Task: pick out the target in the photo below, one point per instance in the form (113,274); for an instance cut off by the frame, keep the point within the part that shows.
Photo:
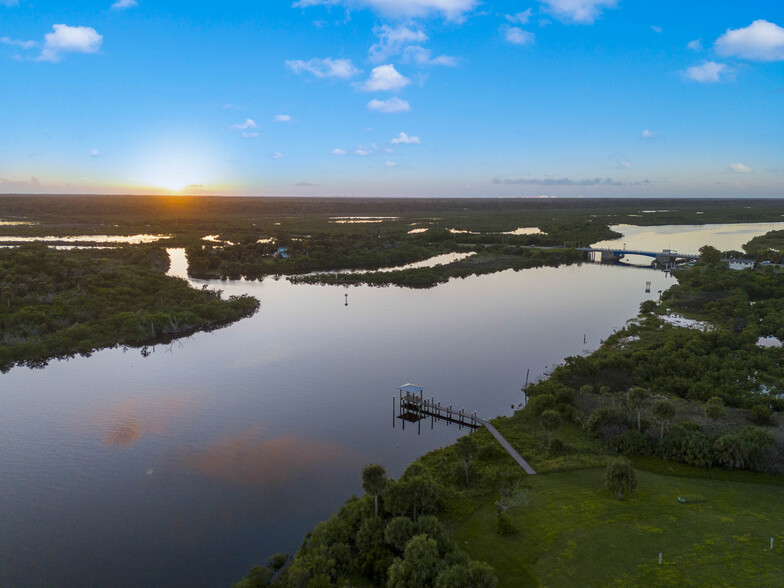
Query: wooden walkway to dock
(414,408)
(509,449)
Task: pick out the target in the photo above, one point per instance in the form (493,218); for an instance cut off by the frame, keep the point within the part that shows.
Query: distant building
(741,264)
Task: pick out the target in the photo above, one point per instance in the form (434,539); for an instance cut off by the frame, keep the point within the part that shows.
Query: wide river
(189,465)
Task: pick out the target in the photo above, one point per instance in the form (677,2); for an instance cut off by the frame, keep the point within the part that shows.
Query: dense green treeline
(767,247)
(58,303)
(486,261)
(287,255)
(390,536)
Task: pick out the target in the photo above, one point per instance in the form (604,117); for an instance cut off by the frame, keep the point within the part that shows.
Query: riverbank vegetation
(698,411)
(59,303)
(485,261)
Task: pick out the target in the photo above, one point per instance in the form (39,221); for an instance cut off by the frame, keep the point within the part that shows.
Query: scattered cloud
(695,45)
(248,124)
(338,152)
(656,29)
(124,4)
(760,41)
(648,134)
(577,11)
(569,182)
(231,107)
(284,118)
(324,68)
(390,164)
(362,151)
(393,40)
(423,56)
(517,36)
(740,168)
(277,155)
(390,106)
(21,44)
(250,135)
(625,164)
(384,78)
(403,139)
(95,153)
(448,9)
(305,185)
(520,18)
(67,39)
(709,72)
(405,42)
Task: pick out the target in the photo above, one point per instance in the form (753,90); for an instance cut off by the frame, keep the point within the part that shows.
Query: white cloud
(449,9)
(695,45)
(20,44)
(95,153)
(362,151)
(248,124)
(391,164)
(124,4)
(422,56)
(656,29)
(277,155)
(740,168)
(760,41)
(405,42)
(67,39)
(384,78)
(709,72)
(231,107)
(250,135)
(391,106)
(577,11)
(338,152)
(520,17)
(393,40)
(626,164)
(518,36)
(324,68)
(403,139)
(282,118)
(648,134)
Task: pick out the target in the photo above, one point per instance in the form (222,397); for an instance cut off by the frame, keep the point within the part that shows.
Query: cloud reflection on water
(274,464)
(126,422)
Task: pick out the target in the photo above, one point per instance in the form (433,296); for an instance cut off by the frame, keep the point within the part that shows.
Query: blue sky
(393,97)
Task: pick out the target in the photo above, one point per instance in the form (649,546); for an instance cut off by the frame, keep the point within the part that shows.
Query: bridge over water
(665,257)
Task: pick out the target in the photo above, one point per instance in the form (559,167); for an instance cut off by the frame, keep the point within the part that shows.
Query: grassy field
(572,532)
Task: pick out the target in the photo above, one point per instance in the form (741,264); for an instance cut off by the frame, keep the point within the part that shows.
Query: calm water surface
(192,464)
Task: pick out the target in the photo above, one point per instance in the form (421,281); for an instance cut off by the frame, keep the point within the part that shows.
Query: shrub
(620,477)
(559,448)
(760,414)
(504,525)
(540,403)
(607,422)
(630,442)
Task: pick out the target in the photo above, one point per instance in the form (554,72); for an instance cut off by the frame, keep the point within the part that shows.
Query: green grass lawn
(572,532)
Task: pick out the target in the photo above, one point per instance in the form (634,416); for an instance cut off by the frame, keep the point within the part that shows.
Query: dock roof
(411,388)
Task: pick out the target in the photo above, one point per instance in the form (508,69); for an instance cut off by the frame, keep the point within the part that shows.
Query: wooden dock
(412,407)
